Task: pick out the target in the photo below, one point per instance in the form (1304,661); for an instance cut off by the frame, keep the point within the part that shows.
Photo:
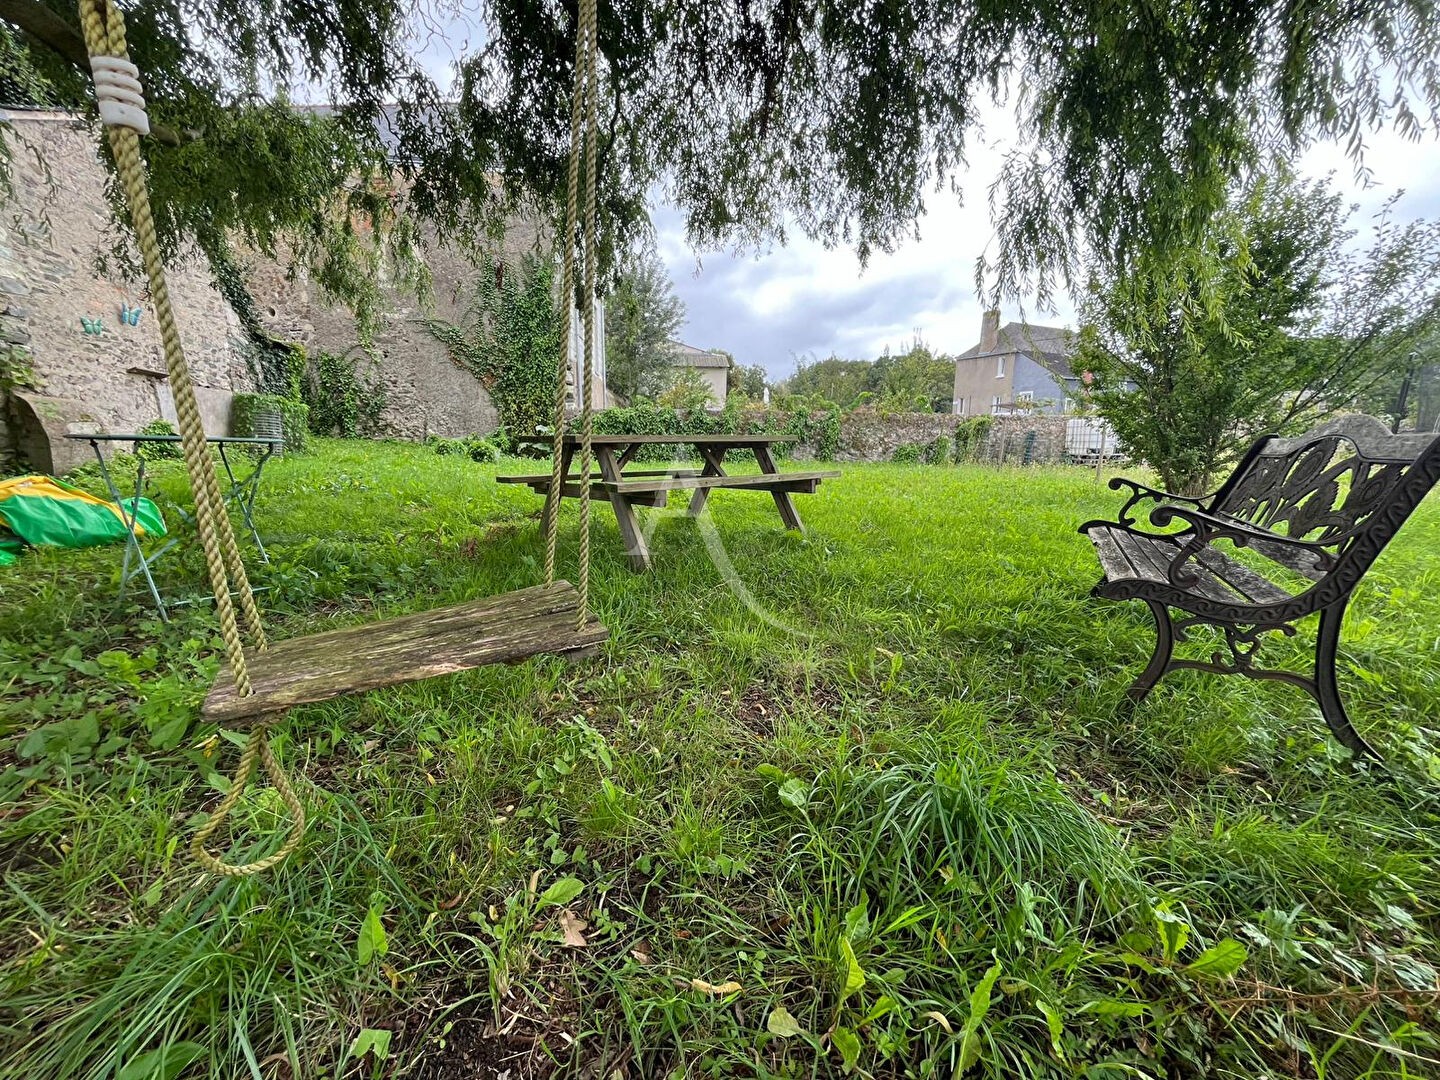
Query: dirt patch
(760,705)
(523,1042)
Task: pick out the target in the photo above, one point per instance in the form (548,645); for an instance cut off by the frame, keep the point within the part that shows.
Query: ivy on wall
(510,340)
(341,403)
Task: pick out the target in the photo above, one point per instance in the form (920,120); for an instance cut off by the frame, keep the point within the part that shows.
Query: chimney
(990,331)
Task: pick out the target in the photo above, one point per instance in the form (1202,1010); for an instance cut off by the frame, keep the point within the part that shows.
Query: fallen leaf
(710,988)
(684,935)
(781,1023)
(941,1019)
(534,883)
(570,927)
(494,914)
(453,902)
(641,952)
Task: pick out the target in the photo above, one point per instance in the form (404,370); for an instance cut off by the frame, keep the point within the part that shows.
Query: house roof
(1049,346)
(683,355)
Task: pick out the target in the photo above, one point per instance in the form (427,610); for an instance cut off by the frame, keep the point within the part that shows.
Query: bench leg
(1160,659)
(713,467)
(783,503)
(1327,688)
(635,547)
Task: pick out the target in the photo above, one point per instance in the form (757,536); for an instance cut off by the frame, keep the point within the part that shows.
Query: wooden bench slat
(494,629)
(544,478)
(1244,579)
(763,481)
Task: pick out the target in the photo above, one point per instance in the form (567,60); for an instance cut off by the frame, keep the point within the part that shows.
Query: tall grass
(877,811)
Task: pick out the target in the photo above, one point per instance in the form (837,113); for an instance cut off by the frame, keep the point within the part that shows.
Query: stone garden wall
(868,435)
(59,374)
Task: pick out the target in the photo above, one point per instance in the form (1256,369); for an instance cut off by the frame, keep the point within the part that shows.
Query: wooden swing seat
(504,629)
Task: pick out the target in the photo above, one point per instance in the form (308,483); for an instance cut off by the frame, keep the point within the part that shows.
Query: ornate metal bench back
(1347,480)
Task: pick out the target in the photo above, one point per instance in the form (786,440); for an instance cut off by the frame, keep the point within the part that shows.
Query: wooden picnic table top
(694,440)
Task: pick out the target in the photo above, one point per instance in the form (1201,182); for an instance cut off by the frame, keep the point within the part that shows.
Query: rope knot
(118,91)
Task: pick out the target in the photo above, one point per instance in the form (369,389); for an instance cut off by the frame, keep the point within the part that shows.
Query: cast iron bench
(1317,509)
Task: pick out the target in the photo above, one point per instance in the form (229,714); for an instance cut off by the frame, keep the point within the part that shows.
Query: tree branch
(47,28)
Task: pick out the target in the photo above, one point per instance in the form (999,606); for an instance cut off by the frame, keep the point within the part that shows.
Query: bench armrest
(1139,493)
(1205,527)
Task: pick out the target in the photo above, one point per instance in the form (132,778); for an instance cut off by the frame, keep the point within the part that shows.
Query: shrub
(483,451)
(907,454)
(937,451)
(159,451)
(294,418)
(971,436)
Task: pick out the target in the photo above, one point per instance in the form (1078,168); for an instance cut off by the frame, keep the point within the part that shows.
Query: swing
(258,685)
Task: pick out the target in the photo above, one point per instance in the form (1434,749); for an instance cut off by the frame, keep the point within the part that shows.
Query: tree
(687,391)
(1265,335)
(642,313)
(1130,127)
(916,380)
(834,380)
(746,380)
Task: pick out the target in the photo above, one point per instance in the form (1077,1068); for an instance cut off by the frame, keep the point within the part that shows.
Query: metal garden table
(241,495)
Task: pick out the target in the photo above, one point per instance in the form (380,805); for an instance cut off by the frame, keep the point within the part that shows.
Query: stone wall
(425,391)
(54,236)
(868,435)
(1025,440)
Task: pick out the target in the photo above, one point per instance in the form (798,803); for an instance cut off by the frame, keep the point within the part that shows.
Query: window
(999,367)
(1025,397)
(995,404)
(960,406)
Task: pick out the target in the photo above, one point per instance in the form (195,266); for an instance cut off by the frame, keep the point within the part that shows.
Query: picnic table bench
(1316,509)
(651,487)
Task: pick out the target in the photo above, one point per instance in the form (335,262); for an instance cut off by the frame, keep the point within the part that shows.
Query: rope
(584,138)
(592,123)
(567,297)
(122,108)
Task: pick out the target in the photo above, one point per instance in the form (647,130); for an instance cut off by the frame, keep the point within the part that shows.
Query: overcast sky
(802,300)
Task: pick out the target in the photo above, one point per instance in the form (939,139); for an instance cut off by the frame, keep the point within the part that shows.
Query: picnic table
(626,490)
(241,494)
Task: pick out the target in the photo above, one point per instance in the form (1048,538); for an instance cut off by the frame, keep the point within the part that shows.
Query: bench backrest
(1348,484)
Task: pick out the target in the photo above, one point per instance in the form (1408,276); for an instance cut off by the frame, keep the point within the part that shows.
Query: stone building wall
(54,233)
(425,391)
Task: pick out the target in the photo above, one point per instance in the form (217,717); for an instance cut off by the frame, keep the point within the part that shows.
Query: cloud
(804,299)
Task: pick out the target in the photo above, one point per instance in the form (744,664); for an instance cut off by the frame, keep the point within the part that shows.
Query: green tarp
(40,511)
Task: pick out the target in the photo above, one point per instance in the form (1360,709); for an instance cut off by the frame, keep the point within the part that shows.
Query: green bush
(907,454)
(159,451)
(294,418)
(937,451)
(483,451)
(971,436)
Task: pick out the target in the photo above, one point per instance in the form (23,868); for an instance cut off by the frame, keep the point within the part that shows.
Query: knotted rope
(122,109)
(584,133)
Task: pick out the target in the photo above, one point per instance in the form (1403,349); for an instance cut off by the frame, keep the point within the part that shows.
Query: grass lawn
(860,802)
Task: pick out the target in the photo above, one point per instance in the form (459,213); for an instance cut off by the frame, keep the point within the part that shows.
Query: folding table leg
(242,493)
(133,551)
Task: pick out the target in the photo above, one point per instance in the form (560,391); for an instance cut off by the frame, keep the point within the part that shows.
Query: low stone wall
(868,435)
(1024,440)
